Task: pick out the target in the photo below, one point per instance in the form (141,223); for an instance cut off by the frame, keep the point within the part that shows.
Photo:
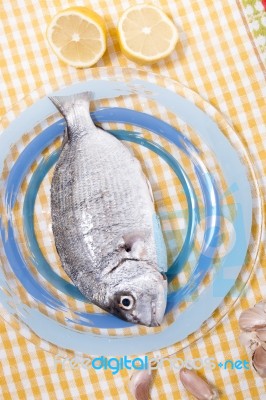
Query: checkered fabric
(217,58)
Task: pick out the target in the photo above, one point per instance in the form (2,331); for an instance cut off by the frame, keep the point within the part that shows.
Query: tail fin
(75,110)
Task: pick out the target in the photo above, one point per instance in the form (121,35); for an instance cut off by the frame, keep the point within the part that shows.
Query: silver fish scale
(100,200)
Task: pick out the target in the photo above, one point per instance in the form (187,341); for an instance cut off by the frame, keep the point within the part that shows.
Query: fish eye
(126,302)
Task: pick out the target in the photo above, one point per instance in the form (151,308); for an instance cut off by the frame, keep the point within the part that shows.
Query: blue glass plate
(199,158)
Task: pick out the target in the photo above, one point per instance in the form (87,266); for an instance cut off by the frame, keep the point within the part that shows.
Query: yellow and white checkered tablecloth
(217,58)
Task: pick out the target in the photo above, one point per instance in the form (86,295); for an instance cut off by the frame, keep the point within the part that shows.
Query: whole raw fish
(104,221)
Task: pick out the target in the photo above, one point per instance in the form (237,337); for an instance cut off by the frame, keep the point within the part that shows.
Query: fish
(104,221)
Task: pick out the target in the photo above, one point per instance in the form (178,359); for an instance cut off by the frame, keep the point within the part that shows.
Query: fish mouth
(154,322)
(158,307)
(157,314)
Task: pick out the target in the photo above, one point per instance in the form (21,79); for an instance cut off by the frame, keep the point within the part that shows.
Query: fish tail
(75,110)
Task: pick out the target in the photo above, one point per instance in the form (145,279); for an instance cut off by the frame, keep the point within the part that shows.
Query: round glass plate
(206,198)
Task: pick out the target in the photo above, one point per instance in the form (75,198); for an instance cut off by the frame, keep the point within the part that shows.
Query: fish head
(138,293)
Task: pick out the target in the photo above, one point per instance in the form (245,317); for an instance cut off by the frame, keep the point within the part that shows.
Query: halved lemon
(77,35)
(146,34)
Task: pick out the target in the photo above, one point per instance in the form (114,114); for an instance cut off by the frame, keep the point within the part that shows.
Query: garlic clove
(197,386)
(261,334)
(263,344)
(139,384)
(250,341)
(252,319)
(259,361)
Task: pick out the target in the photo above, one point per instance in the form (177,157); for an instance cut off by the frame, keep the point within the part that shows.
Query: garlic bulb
(250,340)
(252,319)
(197,386)
(259,361)
(140,383)
(253,322)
